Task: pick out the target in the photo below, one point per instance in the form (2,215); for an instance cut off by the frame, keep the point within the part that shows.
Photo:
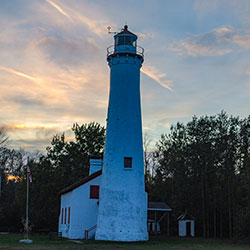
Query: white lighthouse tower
(122,214)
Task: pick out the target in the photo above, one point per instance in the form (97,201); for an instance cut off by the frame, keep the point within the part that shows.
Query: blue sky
(53,69)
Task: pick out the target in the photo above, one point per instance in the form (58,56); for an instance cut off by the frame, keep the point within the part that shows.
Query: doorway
(188,228)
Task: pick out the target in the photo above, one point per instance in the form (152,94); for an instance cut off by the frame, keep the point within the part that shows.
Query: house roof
(81,182)
(186,216)
(158,206)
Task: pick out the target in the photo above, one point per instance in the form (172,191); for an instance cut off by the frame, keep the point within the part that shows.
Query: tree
(11,164)
(3,140)
(3,137)
(70,159)
(148,158)
(200,164)
(66,162)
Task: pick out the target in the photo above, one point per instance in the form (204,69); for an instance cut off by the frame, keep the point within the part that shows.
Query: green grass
(11,242)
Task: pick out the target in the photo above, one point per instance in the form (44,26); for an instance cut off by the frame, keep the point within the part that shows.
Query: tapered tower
(122,214)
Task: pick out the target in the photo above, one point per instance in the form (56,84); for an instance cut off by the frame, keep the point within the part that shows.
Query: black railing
(111,51)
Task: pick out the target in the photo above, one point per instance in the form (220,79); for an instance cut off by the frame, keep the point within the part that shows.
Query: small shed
(186,225)
(156,212)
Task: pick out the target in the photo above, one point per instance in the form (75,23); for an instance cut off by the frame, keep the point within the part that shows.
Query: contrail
(93,25)
(59,9)
(155,76)
(9,70)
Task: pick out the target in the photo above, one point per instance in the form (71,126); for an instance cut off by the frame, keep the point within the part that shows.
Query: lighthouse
(122,214)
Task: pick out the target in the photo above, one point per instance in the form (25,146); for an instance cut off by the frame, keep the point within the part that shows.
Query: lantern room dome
(125,31)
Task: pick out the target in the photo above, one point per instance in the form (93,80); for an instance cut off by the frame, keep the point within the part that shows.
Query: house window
(94,192)
(62,217)
(127,162)
(69,216)
(65,218)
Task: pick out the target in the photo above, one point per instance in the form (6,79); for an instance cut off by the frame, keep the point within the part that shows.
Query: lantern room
(125,38)
(125,44)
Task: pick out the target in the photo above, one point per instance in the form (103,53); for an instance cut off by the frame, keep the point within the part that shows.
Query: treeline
(65,162)
(202,167)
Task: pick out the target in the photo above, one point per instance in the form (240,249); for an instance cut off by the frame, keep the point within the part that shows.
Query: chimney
(95,165)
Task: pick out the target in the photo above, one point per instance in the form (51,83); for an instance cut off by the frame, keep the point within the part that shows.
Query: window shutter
(69,216)
(94,192)
(65,218)
(62,217)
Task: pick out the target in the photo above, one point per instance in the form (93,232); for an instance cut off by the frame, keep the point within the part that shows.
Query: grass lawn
(11,242)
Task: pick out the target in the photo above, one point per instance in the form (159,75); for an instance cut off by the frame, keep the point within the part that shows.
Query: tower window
(94,192)
(127,162)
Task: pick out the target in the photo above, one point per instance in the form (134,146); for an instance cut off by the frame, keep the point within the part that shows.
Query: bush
(242,223)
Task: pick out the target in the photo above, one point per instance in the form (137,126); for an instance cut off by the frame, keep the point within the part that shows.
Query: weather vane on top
(109,30)
(112,32)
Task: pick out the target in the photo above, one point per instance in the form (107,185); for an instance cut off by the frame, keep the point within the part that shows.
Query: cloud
(12,71)
(68,52)
(27,101)
(164,122)
(217,42)
(145,36)
(212,43)
(242,40)
(153,73)
(59,9)
(95,25)
(31,136)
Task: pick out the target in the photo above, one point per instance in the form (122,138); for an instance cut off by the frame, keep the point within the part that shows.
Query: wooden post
(168,223)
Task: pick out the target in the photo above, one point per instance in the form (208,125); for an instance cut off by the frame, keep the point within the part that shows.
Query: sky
(54,73)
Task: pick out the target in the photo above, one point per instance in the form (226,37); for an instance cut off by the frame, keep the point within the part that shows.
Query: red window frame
(69,215)
(62,217)
(65,219)
(94,192)
(127,162)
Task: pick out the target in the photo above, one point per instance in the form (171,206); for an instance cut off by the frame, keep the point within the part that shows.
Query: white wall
(182,227)
(83,211)
(66,202)
(123,204)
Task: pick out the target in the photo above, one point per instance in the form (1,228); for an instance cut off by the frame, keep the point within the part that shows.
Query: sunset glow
(54,73)
(13,178)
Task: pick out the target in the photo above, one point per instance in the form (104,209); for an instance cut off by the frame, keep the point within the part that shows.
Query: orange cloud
(29,126)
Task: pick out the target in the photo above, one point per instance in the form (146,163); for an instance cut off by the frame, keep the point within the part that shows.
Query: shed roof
(81,182)
(186,216)
(158,206)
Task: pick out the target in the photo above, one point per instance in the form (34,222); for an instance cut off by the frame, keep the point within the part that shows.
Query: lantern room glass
(125,40)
